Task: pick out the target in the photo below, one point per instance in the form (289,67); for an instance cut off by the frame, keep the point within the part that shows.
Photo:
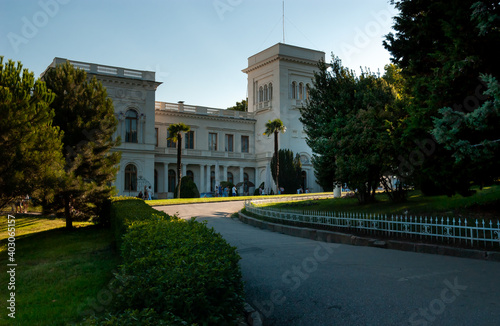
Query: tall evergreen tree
(290,170)
(175,134)
(30,155)
(85,114)
(348,124)
(442,48)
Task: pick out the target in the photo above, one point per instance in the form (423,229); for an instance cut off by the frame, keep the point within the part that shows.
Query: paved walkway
(295,281)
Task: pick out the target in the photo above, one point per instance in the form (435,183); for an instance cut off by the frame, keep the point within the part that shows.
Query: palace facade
(223,145)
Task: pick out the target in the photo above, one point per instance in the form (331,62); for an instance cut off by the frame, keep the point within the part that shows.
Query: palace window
(229,143)
(190,174)
(212,141)
(307,91)
(261,94)
(266,96)
(230,177)
(189,139)
(270,91)
(156,137)
(131,126)
(130,178)
(170,143)
(301,91)
(245,141)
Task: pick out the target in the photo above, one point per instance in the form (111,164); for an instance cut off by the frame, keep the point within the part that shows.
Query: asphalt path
(295,281)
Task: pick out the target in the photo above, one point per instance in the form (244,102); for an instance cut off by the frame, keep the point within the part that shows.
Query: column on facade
(183,169)
(207,185)
(165,177)
(202,178)
(217,170)
(242,188)
(224,173)
(268,178)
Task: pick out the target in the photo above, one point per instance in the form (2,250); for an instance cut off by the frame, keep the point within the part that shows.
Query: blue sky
(197,47)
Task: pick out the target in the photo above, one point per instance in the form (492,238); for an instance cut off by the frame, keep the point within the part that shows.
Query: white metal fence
(470,232)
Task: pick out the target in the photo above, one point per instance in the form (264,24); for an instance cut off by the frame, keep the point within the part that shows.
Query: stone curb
(344,238)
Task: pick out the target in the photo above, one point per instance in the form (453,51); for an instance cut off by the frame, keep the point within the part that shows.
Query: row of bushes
(174,272)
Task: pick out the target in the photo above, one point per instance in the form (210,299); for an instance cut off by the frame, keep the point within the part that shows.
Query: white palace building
(223,145)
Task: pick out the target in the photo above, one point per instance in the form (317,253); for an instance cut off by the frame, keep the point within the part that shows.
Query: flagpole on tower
(283,21)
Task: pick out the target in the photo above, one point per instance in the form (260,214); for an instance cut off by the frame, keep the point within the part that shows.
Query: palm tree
(175,134)
(275,127)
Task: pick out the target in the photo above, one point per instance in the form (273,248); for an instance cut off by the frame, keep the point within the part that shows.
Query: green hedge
(171,268)
(125,211)
(188,188)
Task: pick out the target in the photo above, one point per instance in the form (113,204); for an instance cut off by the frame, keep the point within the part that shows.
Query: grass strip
(58,271)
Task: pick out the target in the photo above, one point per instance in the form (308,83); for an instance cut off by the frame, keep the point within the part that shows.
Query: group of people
(22,204)
(301,190)
(147,194)
(224,191)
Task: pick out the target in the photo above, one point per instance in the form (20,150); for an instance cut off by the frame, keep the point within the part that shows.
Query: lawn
(58,272)
(176,201)
(484,203)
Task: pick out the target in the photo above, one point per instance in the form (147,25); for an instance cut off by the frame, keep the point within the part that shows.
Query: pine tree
(85,114)
(30,157)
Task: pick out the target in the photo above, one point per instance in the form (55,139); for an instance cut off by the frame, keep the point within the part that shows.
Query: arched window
(230,177)
(265,93)
(212,181)
(131,127)
(130,178)
(293,91)
(190,174)
(270,91)
(245,177)
(307,91)
(304,180)
(301,91)
(171,181)
(261,94)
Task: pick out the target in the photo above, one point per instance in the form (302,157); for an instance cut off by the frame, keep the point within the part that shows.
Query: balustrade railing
(447,230)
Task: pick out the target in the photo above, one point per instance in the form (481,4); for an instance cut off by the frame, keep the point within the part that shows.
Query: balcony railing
(201,110)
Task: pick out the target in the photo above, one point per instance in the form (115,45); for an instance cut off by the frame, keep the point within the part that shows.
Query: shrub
(126,210)
(173,271)
(183,268)
(188,188)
